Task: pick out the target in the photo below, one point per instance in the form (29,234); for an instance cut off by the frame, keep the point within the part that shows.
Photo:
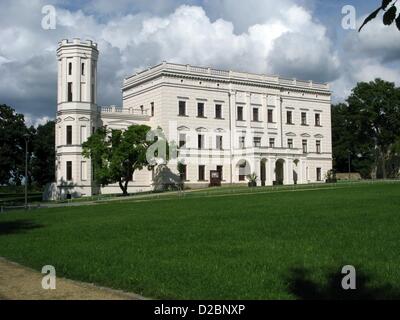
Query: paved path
(21,283)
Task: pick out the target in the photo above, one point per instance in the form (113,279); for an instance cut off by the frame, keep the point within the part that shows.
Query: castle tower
(76,115)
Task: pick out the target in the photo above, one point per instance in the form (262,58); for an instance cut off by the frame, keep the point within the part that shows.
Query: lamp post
(349,161)
(26,137)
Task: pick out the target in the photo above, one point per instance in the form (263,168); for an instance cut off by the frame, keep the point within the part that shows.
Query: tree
(117,154)
(43,160)
(367,126)
(389,16)
(12,145)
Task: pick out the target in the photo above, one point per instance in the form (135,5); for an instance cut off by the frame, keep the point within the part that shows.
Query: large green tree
(117,154)
(367,126)
(12,145)
(43,160)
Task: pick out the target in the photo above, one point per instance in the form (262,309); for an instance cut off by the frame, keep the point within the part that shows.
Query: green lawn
(231,245)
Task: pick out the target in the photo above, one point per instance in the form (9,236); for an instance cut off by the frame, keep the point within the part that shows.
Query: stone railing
(228,75)
(132,111)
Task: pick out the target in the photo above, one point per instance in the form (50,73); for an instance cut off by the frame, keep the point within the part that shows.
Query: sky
(301,39)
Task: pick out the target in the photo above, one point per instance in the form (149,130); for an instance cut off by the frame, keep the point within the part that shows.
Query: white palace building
(234,122)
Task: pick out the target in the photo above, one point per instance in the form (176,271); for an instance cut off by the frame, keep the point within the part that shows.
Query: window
(218,111)
(220,170)
(83,170)
(69,135)
(69,170)
(183,172)
(200,110)
(304,143)
(219,143)
(240,113)
(319,174)
(242,172)
(255,115)
(202,170)
(141,109)
(257,142)
(304,118)
(289,117)
(242,142)
(270,116)
(290,143)
(317,120)
(182,140)
(318,146)
(93,130)
(200,141)
(70,68)
(83,69)
(182,108)
(69,91)
(152,109)
(272,142)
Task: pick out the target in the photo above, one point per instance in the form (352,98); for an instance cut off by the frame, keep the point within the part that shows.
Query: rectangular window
(317,120)
(69,91)
(290,143)
(242,142)
(200,141)
(319,175)
(83,170)
(257,142)
(183,172)
(152,109)
(92,94)
(272,142)
(304,143)
(202,170)
(69,170)
(219,143)
(70,68)
(69,135)
(240,113)
(270,116)
(289,117)
(83,69)
(182,108)
(200,110)
(182,140)
(304,118)
(255,115)
(242,172)
(83,134)
(218,111)
(220,170)
(93,130)
(318,146)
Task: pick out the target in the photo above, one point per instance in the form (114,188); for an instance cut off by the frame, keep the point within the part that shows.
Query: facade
(234,122)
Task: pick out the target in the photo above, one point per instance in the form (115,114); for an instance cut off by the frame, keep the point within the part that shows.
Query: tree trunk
(124,187)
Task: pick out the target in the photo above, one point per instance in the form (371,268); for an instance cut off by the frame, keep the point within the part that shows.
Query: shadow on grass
(18,226)
(304,288)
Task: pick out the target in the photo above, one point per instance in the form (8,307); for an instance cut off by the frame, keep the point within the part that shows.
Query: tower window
(69,91)
(152,109)
(70,68)
(83,69)
(69,170)
(69,135)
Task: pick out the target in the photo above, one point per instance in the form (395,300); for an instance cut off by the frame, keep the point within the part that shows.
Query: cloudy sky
(302,39)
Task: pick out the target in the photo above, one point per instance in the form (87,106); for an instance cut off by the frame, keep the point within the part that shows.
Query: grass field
(222,244)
